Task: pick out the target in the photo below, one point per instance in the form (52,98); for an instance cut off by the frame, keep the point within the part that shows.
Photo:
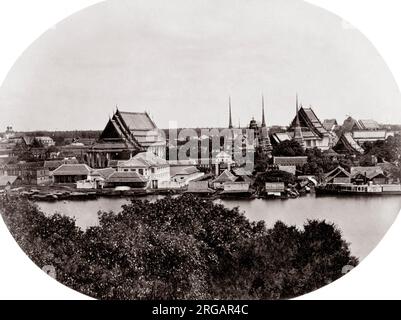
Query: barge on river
(358,189)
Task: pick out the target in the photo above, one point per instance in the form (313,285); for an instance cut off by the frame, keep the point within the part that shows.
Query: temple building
(125,135)
(307,124)
(307,130)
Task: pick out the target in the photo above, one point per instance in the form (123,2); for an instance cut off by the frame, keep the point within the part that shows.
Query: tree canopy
(180,248)
(288,148)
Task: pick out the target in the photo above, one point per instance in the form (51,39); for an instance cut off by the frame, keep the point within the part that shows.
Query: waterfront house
(236,190)
(185,174)
(71,173)
(147,164)
(200,188)
(31,173)
(338,175)
(275,189)
(363,175)
(223,178)
(235,187)
(129,179)
(96,179)
(392,172)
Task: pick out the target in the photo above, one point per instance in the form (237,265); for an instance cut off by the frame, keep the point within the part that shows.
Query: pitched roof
(235,187)
(7,160)
(348,141)
(26,165)
(330,152)
(137,120)
(4,180)
(53,164)
(180,170)
(226,176)
(329,124)
(314,120)
(134,129)
(128,177)
(104,173)
(370,134)
(369,124)
(28,140)
(309,120)
(349,124)
(72,170)
(43,138)
(199,187)
(335,172)
(370,172)
(387,166)
(144,160)
(242,172)
(290,160)
(281,136)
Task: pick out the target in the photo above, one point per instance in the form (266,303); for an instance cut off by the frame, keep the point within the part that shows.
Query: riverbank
(70,193)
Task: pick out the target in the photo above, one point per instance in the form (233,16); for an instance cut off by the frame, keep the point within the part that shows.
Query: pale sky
(180,60)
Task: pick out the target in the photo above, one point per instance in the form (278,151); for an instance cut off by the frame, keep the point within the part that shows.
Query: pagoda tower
(264,138)
(298,137)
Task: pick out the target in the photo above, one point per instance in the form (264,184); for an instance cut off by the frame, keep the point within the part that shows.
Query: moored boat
(358,189)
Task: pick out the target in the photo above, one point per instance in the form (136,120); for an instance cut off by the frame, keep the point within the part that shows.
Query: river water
(363,220)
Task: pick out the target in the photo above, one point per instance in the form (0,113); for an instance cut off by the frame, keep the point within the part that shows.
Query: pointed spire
(263,112)
(298,136)
(230,121)
(298,124)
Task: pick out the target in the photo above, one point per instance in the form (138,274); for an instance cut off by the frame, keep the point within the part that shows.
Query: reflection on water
(363,220)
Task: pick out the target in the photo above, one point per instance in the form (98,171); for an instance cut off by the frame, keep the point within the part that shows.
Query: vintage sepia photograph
(199,150)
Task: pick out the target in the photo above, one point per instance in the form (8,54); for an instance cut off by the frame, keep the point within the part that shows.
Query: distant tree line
(180,248)
(60,137)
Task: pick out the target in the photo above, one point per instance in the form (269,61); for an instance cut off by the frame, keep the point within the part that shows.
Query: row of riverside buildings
(132,151)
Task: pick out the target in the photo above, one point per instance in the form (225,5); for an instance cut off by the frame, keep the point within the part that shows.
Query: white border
(377,277)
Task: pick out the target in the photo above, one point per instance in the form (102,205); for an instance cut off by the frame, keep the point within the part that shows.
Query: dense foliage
(318,163)
(180,248)
(288,148)
(388,150)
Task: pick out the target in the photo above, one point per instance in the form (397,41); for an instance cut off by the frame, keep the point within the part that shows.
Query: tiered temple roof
(346,143)
(310,124)
(129,130)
